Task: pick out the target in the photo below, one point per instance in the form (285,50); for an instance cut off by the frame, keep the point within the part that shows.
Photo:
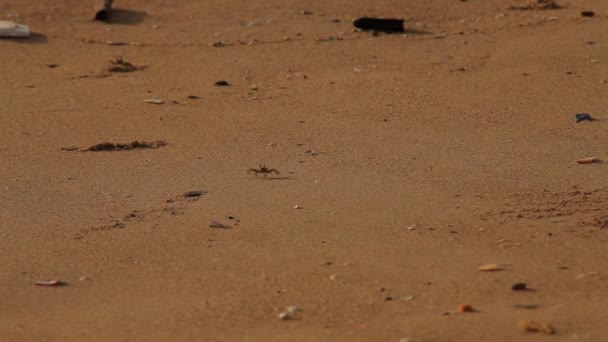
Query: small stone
(465,308)
(587,13)
(297,207)
(222,83)
(217,225)
(578,117)
(253,87)
(196,193)
(519,287)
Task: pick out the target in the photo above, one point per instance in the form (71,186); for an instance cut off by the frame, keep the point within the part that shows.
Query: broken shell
(155,101)
(53,282)
(13,30)
(589,160)
(531,326)
(489,268)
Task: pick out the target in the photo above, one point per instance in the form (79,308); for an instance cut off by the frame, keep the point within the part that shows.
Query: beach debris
(102,9)
(587,13)
(9,29)
(578,117)
(53,282)
(216,225)
(526,306)
(108,146)
(121,66)
(519,287)
(291,312)
(490,268)
(538,5)
(465,308)
(532,326)
(195,193)
(590,160)
(379,25)
(193,97)
(155,101)
(263,169)
(222,83)
(297,207)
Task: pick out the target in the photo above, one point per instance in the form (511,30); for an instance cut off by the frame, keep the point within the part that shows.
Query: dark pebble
(519,287)
(222,83)
(587,13)
(194,193)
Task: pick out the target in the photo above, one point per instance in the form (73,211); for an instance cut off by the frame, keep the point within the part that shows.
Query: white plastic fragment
(13,30)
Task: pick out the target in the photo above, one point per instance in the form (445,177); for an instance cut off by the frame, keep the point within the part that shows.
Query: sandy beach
(404,162)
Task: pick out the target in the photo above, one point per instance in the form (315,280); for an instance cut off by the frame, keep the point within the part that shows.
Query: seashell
(13,30)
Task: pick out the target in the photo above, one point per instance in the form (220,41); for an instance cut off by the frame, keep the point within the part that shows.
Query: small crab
(263,169)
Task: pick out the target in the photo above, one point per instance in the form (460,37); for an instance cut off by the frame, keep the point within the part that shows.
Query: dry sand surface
(413,159)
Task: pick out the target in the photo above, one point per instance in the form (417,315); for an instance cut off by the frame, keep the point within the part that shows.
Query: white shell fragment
(290,313)
(13,30)
(155,101)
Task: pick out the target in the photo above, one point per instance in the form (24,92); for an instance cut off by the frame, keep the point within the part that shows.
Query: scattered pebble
(155,101)
(253,87)
(297,207)
(490,268)
(519,287)
(222,83)
(196,193)
(587,13)
(193,97)
(531,326)
(217,225)
(578,117)
(465,308)
(526,306)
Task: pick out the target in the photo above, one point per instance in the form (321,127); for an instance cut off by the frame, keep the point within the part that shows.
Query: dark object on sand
(587,13)
(222,83)
(102,9)
(120,65)
(578,117)
(107,146)
(538,5)
(519,287)
(194,193)
(216,225)
(379,25)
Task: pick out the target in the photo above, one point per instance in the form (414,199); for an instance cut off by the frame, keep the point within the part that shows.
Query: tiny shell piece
(53,282)
(531,326)
(155,101)
(489,268)
(587,160)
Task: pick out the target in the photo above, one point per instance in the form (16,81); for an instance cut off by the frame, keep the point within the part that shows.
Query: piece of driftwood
(102,9)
